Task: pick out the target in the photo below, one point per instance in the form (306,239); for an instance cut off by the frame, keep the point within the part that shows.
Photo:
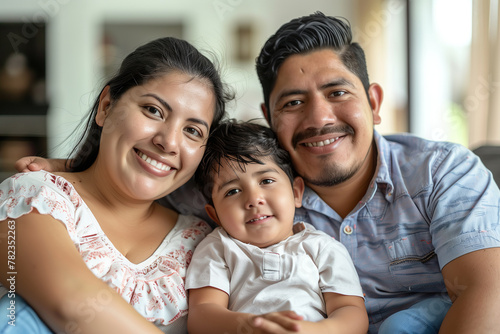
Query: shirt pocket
(413,263)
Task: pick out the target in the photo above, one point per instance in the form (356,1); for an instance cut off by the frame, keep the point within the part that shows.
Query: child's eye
(232,192)
(267,181)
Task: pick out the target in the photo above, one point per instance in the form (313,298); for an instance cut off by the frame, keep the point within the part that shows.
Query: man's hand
(33,164)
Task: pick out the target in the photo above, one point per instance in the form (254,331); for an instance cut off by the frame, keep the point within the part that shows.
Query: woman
(144,139)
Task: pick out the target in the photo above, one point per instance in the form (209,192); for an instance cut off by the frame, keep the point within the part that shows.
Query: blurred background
(437,60)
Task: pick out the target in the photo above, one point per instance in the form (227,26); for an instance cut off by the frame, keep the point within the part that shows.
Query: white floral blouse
(154,287)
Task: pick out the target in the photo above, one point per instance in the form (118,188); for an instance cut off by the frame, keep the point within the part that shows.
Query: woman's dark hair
(147,62)
(242,143)
(306,34)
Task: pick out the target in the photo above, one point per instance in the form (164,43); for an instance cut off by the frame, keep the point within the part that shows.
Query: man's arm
(33,164)
(473,283)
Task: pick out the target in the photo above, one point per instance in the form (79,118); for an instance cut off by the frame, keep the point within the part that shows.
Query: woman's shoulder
(44,191)
(33,182)
(192,227)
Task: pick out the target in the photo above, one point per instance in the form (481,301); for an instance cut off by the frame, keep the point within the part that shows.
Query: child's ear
(212,213)
(104,105)
(298,191)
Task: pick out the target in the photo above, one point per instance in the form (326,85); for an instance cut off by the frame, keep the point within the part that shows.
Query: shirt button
(347,229)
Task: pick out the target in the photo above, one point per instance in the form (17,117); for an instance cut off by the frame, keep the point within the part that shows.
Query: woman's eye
(194,132)
(154,111)
(232,192)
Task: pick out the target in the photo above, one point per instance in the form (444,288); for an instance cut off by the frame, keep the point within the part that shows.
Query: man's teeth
(256,219)
(153,162)
(321,143)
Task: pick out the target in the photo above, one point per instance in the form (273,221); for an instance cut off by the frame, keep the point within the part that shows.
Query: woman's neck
(98,192)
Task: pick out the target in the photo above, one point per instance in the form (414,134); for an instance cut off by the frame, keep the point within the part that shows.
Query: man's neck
(344,197)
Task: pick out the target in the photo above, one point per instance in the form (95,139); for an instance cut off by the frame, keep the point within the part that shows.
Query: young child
(258,272)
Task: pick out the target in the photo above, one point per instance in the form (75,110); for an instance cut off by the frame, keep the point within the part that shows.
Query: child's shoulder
(308,231)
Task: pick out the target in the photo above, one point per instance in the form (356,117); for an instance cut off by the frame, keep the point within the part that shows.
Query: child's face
(256,206)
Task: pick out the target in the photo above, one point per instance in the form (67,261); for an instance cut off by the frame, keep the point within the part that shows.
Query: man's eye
(338,93)
(293,103)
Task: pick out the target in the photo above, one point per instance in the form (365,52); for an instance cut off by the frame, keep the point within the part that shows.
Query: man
(420,219)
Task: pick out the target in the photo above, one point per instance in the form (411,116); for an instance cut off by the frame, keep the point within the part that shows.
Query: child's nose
(254,199)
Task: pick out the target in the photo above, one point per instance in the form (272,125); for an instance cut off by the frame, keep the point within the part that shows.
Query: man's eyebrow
(290,92)
(169,108)
(338,82)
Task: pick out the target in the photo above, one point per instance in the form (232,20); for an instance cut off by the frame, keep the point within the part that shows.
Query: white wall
(74,34)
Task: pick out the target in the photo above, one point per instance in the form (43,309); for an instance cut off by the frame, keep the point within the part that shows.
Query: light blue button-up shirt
(429,203)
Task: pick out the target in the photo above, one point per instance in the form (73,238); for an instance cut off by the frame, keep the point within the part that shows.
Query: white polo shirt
(290,275)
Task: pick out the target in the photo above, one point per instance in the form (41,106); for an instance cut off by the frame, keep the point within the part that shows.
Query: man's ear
(212,213)
(104,105)
(298,191)
(376,95)
(265,112)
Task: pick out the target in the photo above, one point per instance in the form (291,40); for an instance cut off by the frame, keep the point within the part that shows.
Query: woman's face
(153,136)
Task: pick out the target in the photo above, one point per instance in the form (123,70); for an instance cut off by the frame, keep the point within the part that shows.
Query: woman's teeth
(153,162)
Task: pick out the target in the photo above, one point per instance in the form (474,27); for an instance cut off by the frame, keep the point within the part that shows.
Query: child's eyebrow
(257,173)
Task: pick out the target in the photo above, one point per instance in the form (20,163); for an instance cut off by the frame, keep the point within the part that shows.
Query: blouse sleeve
(47,193)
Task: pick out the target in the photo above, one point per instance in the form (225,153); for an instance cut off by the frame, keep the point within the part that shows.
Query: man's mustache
(313,132)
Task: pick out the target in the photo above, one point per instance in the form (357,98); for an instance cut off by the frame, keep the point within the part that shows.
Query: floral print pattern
(154,287)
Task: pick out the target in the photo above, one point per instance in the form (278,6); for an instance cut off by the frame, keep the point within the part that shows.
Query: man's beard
(332,175)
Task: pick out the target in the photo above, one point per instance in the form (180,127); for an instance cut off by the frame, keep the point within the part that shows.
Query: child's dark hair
(242,143)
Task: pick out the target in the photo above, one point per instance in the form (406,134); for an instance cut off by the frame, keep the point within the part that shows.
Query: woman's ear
(298,191)
(212,213)
(104,105)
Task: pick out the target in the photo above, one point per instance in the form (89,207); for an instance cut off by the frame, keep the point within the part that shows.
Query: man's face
(322,116)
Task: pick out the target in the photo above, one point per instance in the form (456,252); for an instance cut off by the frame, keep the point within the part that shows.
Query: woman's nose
(167,139)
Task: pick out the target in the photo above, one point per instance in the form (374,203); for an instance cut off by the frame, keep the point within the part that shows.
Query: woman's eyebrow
(162,101)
